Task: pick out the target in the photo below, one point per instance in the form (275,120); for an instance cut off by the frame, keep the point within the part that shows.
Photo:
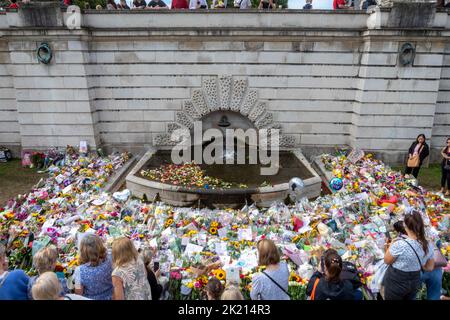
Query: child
(44,261)
(308,5)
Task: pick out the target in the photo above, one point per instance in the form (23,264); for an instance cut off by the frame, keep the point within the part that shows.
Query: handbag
(414,161)
(440,261)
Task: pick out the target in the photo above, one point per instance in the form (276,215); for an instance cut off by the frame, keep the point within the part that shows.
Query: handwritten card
(221,248)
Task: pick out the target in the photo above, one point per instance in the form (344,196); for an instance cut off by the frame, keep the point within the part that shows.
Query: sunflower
(168,222)
(41,219)
(294,277)
(220,274)
(213,230)
(214,224)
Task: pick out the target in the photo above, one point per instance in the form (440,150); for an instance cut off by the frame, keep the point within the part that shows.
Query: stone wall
(326,78)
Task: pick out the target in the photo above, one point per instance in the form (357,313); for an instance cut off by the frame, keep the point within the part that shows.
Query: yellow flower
(41,219)
(9,215)
(169,222)
(128,219)
(34,214)
(214,224)
(190,285)
(220,274)
(213,230)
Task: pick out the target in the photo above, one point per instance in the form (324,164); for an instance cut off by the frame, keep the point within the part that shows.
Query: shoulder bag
(414,161)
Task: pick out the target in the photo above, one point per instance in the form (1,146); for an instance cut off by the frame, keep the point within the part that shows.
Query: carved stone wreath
(223,93)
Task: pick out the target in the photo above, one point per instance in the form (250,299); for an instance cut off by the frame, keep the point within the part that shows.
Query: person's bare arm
(118,293)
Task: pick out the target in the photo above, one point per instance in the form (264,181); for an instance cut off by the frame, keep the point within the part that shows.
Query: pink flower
(197,284)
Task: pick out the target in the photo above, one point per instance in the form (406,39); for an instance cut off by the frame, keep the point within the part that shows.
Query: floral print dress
(134,278)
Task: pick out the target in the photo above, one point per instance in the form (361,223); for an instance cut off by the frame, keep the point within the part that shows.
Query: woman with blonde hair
(271,283)
(43,261)
(93,276)
(129,276)
(232,293)
(48,287)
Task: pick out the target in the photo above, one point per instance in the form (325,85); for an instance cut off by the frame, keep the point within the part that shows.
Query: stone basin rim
(134,177)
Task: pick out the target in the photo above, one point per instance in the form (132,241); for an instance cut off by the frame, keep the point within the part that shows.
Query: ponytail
(333,264)
(414,223)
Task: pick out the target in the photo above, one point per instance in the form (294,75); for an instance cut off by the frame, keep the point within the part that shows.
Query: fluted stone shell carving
(224,92)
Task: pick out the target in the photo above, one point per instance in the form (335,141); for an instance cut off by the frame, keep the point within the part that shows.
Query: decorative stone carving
(210,88)
(249,102)
(199,102)
(257,111)
(264,120)
(171,127)
(224,91)
(239,88)
(183,119)
(191,110)
(163,139)
(287,141)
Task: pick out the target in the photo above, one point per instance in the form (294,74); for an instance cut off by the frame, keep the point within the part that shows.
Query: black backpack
(350,272)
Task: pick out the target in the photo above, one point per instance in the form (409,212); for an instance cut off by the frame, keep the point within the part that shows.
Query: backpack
(350,272)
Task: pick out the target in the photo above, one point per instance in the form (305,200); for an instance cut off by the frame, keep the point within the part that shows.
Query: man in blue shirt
(13,284)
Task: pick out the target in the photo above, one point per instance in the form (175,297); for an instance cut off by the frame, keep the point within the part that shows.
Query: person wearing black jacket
(329,285)
(445,168)
(419,147)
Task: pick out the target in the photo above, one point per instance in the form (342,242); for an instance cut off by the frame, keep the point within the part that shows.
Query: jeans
(433,281)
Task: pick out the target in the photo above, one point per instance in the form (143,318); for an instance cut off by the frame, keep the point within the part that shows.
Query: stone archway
(223,93)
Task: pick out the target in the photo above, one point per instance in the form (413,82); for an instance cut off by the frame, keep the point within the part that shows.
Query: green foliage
(4,3)
(92,3)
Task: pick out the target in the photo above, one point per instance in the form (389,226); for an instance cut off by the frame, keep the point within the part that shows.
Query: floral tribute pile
(197,244)
(187,175)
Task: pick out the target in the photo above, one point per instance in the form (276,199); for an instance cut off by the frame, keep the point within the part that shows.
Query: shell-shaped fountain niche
(226,102)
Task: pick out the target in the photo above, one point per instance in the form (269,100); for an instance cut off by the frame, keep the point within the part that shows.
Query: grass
(429,178)
(14,180)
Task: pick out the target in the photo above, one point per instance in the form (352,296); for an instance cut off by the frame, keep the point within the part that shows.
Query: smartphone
(156,266)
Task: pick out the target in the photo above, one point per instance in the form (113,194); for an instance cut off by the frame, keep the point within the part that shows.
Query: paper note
(222,232)
(245,234)
(191,249)
(221,248)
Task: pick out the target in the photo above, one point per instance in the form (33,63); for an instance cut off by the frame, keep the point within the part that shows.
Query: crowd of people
(124,273)
(216,4)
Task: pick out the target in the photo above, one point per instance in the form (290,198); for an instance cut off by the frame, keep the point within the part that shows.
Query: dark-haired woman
(445,168)
(406,258)
(328,285)
(419,150)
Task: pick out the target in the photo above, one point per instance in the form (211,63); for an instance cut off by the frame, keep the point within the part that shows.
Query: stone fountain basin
(218,198)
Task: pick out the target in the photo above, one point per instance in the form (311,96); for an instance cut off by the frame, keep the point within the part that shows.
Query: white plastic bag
(377,279)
